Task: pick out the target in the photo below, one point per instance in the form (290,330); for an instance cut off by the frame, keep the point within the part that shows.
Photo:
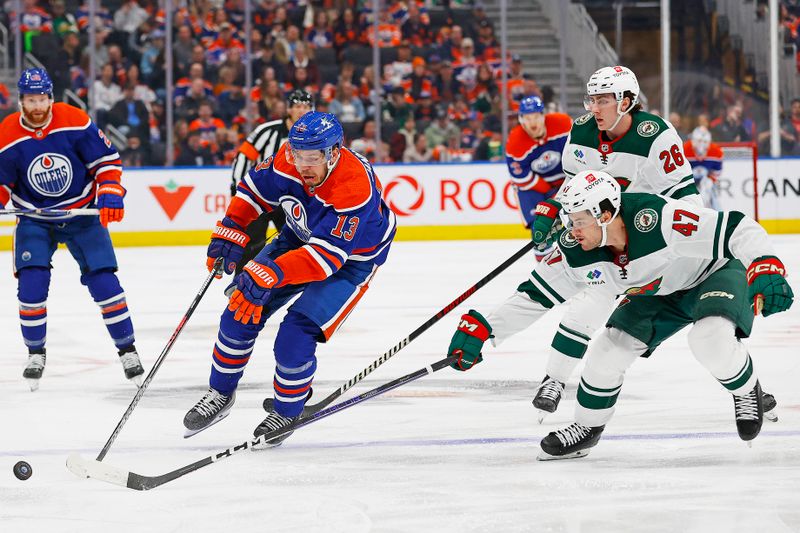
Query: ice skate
(35,368)
(569,443)
(548,397)
(269,403)
(749,411)
(769,402)
(131,365)
(211,408)
(273,422)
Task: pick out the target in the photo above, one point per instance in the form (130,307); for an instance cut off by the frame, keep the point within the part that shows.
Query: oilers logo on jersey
(546,162)
(50,174)
(296,216)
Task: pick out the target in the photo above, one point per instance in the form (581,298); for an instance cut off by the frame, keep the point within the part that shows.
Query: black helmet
(299,96)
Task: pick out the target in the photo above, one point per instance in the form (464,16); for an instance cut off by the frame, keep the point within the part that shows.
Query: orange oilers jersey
(343,219)
(531,161)
(709,166)
(58,165)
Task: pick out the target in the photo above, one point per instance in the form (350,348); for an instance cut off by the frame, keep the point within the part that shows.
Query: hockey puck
(23,470)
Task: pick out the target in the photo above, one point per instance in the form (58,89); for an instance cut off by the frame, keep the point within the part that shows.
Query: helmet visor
(305,158)
(600,100)
(578,220)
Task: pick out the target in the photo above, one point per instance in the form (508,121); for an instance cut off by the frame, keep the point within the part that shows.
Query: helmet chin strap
(604,231)
(621,113)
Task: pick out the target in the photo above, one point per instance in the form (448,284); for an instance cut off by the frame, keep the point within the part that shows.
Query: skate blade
(772,416)
(264,446)
(544,456)
(191,432)
(136,380)
(541,415)
(33,383)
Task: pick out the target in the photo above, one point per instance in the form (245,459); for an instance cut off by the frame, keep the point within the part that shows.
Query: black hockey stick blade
(91,468)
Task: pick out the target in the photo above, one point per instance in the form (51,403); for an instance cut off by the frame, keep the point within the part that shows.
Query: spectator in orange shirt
(389,33)
(206,124)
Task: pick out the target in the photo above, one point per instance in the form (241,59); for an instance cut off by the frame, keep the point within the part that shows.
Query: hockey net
(740,165)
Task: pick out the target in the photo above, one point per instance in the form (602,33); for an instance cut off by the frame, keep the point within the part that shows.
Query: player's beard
(36,119)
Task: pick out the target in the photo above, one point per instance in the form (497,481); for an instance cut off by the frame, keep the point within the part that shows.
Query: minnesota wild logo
(648,128)
(645,220)
(583,119)
(648,289)
(567,240)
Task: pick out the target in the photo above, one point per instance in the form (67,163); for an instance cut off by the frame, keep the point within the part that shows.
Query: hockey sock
(714,344)
(108,295)
(32,289)
(295,363)
(566,351)
(235,343)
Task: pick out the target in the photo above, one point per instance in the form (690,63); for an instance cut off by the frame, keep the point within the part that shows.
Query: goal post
(740,159)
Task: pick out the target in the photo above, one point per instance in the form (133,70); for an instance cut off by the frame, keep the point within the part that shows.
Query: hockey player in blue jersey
(533,156)
(53,156)
(338,232)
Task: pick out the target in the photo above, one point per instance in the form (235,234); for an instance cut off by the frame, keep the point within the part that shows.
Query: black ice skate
(211,408)
(131,365)
(273,422)
(35,368)
(548,397)
(769,402)
(749,413)
(569,443)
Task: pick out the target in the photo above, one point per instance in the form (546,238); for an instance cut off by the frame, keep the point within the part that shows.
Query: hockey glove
(253,286)
(109,201)
(227,241)
(467,342)
(546,216)
(767,284)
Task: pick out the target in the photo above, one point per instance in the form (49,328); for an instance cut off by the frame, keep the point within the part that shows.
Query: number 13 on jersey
(351,223)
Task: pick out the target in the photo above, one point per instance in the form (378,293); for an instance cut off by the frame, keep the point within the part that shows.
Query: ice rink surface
(449,452)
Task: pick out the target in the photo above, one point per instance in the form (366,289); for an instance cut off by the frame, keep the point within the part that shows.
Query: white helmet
(615,80)
(701,139)
(586,192)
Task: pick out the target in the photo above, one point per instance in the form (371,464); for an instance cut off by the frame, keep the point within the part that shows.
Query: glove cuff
(265,276)
(475,325)
(231,234)
(548,209)
(766,264)
(111,188)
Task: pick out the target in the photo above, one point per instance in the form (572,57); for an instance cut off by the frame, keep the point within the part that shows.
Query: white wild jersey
(673,245)
(647,158)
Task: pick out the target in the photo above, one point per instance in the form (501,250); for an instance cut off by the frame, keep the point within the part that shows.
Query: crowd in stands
(438,96)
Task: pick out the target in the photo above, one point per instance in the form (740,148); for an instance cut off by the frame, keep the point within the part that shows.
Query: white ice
(449,452)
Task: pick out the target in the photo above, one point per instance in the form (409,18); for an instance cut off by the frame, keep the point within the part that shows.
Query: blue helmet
(35,81)
(531,104)
(316,131)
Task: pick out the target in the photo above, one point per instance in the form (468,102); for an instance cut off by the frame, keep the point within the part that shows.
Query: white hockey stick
(46,211)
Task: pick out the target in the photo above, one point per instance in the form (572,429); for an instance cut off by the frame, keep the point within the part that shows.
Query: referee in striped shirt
(263,142)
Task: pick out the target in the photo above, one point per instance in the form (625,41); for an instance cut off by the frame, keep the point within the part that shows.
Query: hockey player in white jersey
(643,153)
(678,264)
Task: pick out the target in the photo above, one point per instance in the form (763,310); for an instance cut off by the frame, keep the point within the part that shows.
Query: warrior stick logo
(50,174)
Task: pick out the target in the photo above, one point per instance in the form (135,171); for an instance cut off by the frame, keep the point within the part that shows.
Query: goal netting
(739,177)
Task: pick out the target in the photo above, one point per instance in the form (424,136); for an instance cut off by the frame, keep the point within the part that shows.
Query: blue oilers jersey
(534,161)
(343,219)
(57,165)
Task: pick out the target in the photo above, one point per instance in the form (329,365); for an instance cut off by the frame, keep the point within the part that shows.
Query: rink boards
(178,206)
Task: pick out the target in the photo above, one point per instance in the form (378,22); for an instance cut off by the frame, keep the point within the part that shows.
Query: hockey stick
(150,375)
(124,478)
(45,211)
(310,409)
